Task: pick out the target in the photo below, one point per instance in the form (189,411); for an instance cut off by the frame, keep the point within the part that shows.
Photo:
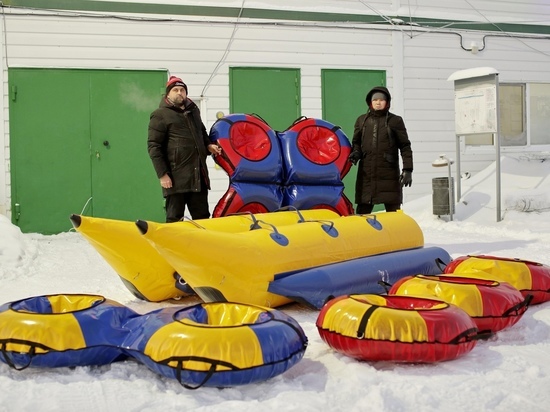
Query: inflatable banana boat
(222,263)
(140,266)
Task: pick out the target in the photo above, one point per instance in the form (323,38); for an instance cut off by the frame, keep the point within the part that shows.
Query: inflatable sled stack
(302,167)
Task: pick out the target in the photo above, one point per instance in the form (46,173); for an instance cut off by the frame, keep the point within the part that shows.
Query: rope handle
(31,354)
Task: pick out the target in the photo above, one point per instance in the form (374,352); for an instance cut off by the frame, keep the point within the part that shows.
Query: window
(521,125)
(539,113)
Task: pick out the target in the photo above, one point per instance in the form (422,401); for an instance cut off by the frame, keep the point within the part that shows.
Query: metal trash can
(440,196)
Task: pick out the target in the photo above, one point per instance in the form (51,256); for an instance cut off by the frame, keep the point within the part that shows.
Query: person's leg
(197,203)
(175,207)
(392,207)
(364,208)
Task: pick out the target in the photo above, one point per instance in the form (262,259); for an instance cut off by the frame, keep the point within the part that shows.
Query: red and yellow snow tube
(492,305)
(396,328)
(530,278)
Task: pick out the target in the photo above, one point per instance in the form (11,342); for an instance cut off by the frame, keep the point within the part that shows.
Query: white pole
(497,148)
(450,192)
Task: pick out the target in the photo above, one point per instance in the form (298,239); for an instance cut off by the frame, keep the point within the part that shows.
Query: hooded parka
(380,136)
(177,144)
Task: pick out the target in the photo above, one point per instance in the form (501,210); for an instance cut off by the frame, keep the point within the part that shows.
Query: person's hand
(355,156)
(406,178)
(166,182)
(214,149)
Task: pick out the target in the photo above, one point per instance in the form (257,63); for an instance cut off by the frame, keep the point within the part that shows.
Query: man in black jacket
(378,138)
(178,145)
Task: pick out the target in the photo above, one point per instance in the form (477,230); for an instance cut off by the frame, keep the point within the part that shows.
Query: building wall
(418,60)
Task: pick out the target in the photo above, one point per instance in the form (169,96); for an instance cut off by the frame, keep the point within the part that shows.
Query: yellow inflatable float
(143,270)
(224,259)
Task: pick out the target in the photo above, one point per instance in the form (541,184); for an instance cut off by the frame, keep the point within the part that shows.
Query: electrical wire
(416,29)
(226,52)
(502,31)
(393,22)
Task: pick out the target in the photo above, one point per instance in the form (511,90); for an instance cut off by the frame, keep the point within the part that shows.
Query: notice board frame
(477,111)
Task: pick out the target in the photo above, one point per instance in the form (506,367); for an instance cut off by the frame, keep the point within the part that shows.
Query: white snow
(508,372)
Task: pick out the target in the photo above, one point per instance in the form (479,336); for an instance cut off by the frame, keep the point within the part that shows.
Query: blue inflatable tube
(315,152)
(243,197)
(62,330)
(251,149)
(316,286)
(217,344)
(305,197)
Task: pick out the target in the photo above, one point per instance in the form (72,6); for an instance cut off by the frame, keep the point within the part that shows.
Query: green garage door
(343,94)
(271,93)
(78,145)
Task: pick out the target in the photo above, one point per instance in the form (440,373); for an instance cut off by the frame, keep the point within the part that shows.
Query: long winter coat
(380,136)
(177,144)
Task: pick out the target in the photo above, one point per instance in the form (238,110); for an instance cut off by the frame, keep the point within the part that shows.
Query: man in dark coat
(378,138)
(178,145)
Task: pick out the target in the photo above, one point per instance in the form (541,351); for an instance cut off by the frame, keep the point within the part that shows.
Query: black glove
(355,156)
(406,178)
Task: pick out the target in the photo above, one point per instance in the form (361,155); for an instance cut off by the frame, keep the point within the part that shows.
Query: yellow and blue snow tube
(62,330)
(216,344)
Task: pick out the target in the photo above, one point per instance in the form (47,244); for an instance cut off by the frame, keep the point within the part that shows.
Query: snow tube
(305,197)
(244,197)
(251,149)
(216,344)
(396,328)
(530,278)
(62,330)
(318,285)
(492,305)
(314,152)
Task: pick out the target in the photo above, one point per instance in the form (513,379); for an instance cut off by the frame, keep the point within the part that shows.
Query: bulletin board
(476,105)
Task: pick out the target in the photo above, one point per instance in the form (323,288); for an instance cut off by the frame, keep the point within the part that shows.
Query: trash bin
(440,196)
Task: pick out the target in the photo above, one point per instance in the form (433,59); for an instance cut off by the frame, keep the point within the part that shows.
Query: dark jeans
(196,202)
(366,208)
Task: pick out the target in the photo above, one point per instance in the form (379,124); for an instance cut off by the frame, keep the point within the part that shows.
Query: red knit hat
(174,81)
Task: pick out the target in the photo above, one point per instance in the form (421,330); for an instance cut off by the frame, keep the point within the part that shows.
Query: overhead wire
(502,31)
(389,20)
(416,28)
(226,52)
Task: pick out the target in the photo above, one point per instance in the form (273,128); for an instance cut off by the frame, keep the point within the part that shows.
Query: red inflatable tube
(492,305)
(530,278)
(396,328)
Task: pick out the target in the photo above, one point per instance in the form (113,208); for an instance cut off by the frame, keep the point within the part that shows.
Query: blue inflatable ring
(216,344)
(61,331)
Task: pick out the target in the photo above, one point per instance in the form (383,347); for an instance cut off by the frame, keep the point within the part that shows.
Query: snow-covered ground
(508,372)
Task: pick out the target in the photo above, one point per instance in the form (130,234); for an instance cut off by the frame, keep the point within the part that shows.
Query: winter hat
(379,96)
(380,92)
(174,81)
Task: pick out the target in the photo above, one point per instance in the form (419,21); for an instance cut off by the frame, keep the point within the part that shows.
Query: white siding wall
(429,60)
(417,64)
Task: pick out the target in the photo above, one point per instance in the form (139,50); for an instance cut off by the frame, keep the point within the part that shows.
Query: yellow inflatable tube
(143,270)
(221,265)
